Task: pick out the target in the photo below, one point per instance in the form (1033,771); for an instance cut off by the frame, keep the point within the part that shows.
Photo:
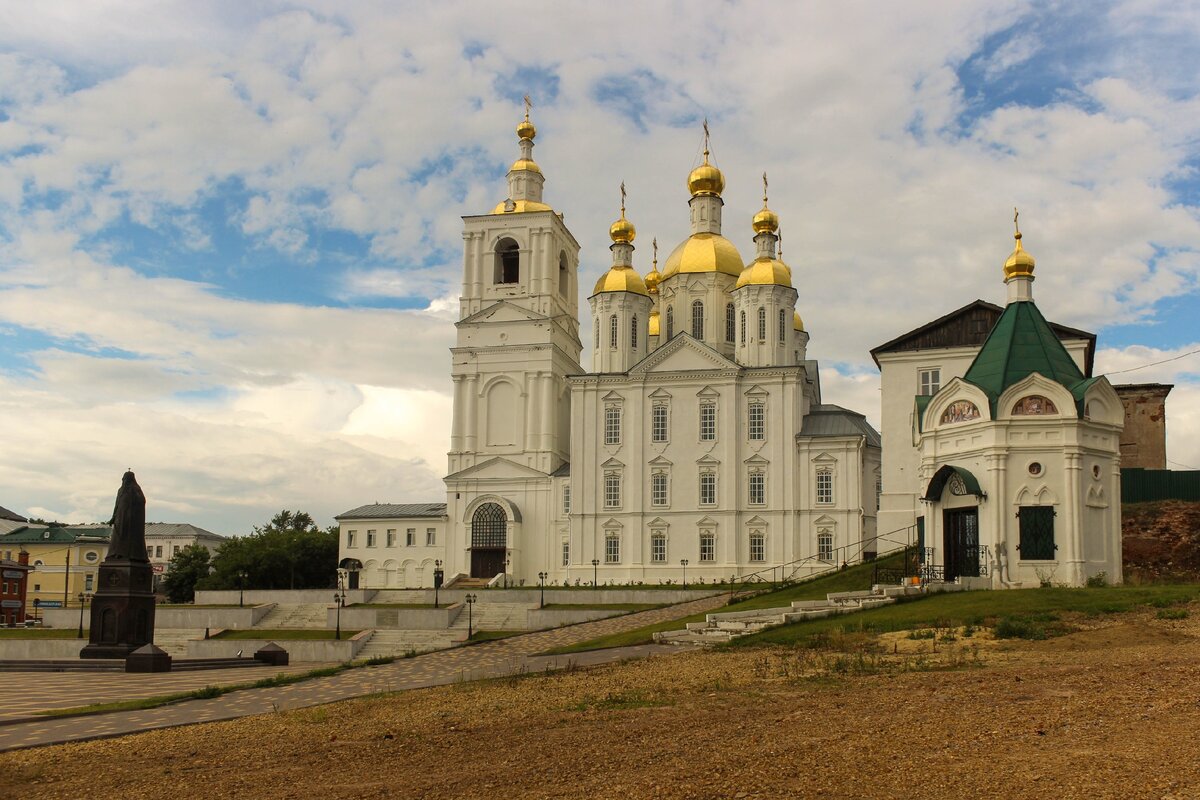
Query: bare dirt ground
(1110,711)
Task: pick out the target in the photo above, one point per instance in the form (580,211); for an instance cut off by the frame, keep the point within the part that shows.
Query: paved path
(490,659)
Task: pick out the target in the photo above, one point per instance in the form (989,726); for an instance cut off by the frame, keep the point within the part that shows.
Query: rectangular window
(708,547)
(825,487)
(658,548)
(1037,533)
(566,500)
(370,538)
(158,551)
(410,537)
(758,547)
(782,326)
(825,546)
(931,380)
(758,490)
(729,322)
(658,423)
(612,425)
(708,488)
(658,489)
(430,537)
(612,491)
(88,584)
(566,554)
(612,550)
(757,421)
(349,539)
(391,537)
(708,422)
(175,550)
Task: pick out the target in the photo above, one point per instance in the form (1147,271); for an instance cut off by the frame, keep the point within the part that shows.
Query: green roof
(57,534)
(1020,344)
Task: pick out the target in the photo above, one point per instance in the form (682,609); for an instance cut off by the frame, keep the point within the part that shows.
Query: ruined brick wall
(1144,440)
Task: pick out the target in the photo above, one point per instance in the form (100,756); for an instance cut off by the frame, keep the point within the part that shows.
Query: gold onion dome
(653,278)
(622,231)
(706,180)
(1020,263)
(765,221)
(704,252)
(797,323)
(621,279)
(765,272)
(525,129)
(652,324)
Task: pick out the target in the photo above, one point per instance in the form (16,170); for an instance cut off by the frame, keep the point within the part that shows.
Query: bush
(1173,613)
(1013,628)
(1098,581)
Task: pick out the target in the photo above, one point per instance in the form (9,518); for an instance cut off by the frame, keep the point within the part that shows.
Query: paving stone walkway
(486,660)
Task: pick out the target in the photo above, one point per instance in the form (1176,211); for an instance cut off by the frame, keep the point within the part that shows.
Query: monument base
(122,609)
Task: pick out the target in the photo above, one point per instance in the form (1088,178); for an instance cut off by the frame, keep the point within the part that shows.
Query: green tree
(186,569)
(289,552)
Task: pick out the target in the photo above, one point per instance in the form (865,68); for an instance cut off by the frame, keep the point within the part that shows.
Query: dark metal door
(486,563)
(961,541)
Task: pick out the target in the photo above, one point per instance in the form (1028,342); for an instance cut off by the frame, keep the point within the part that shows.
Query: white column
(531,383)
(456,430)
(1073,544)
(547,412)
(470,414)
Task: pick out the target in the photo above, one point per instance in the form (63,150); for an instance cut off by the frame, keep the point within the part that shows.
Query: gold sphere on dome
(706,180)
(1020,263)
(653,278)
(525,129)
(797,323)
(765,221)
(765,272)
(622,231)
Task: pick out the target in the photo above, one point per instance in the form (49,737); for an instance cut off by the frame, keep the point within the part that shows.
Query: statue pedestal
(122,609)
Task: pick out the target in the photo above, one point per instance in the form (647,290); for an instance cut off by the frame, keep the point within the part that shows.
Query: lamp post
(339,598)
(595,573)
(542,588)
(437,580)
(242,588)
(683,562)
(507,561)
(82,598)
(470,601)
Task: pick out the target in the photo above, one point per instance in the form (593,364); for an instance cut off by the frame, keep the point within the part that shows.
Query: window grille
(658,489)
(708,422)
(489,527)
(708,547)
(612,425)
(708,488)
(566,500)
(1037,533)
(758,491)
(566,554)
(612,549)
(743,331)
(729,322)
(670,322)
(633,331)
(612,331)
(758,547)
(757,421)
(782,326)
(762,324)
(612,491)
(658,548)
(698,320)
(658,423)
(825,546)
(825,487)
(931,381)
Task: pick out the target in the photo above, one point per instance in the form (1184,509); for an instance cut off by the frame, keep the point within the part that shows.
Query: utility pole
(67,581)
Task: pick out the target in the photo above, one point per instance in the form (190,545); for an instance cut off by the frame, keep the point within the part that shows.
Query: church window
(708,488)
(612,490)
(410,537)
(1034,405)
(825,545)
(88,583)
(658,422)
(370,538)
(762,324)
(489,527)
(612,425)
(670,321)
(391,537)
(782,326)
(708,422)
(612,331)
(566,553)
(729,318)
(742,340)
(757,421)
(564,276)
(566,500)
(349,540)
(658,489)
(758,546)
(708,546)
(758,488)
(658,547)
(612,549)
(825,487)
(931,381)
(508,262)
(960,411)
(430,537)
(1037,533)
(697,319)
(633,331)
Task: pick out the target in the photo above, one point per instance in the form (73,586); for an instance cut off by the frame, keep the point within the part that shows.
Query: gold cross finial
(706,140)
(779,233)
(764,190)
(1016,214)
(528,105)
(654,244)
(622,199)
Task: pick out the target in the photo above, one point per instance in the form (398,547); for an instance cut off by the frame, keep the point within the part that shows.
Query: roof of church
(831,420)
(969,326)
(394,511)
(1020,344)
(64,534)
(564,471)
(11,515)
(165,529)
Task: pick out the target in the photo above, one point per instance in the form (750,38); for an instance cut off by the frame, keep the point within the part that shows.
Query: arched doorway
(962,554)
(489,536)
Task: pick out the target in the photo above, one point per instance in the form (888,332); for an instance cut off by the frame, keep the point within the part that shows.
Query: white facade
(395,546)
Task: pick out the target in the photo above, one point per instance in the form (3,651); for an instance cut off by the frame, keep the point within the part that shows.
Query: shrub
(1173,613)
(1098,581)
(1013,628)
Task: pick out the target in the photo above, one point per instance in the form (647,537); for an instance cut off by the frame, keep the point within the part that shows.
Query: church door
(961,541)
(489,535)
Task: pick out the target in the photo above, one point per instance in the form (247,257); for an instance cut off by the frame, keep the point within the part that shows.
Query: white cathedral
(696,448)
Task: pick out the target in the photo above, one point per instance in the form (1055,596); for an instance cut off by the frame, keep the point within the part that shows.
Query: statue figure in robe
(128,522)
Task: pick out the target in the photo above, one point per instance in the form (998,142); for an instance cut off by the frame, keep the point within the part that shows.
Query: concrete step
(300,615)
(385,643)
(196,664)
(495,617)
(63,665)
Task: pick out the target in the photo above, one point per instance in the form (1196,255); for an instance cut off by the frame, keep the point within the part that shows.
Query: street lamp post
(437,580)
(542,588)
(242,588)
(470,600)
(595,573)
(683,562)
(507,561)
(82,599)
(339,599)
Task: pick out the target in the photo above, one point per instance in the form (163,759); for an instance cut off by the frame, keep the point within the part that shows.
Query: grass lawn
(41,633)
(280,634)
(1036,610)
(605,606)
(857,577)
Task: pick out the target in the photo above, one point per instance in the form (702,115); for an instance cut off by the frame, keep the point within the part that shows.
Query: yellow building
(65,561)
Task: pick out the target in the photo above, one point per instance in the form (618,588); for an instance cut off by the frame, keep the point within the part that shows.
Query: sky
(230,232)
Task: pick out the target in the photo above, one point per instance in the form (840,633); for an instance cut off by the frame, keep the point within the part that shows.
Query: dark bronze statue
(129,522)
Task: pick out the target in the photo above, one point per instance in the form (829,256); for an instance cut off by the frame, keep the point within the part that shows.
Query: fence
(1142,485)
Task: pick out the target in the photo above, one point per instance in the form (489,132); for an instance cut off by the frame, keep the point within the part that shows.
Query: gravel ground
(1110,711)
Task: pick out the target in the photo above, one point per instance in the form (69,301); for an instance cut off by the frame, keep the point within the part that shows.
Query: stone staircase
(299,615)
(469,583)
(397,642)
(403,596)
(725,626)
(174,640)
(495,617)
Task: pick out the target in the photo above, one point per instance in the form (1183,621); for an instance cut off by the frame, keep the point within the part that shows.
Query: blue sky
(230,236)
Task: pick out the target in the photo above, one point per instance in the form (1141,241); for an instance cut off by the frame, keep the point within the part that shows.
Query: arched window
(758,546)
(508,262)
(697,320)
(743,339)
(762,324)
(670,321)
(489,527)
(708,546)
(825,545)
(658,548)
(612,331)
(729,316)
(564,276)
(782,326)
(633,331)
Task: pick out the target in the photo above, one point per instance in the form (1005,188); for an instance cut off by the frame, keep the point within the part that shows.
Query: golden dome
(765,272)
(652,324)
(653,277)
(526,164)
(621,279)
(520,207)
(622,231)
(706,180)
(765,221)
(704,252)
(525,129)
(1020,263)
(797,323)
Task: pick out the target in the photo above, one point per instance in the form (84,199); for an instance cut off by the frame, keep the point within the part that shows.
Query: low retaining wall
(288,597)
(299,650)
(193,617)
(40,649)
(407,619)
(542,618)
(580,596)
